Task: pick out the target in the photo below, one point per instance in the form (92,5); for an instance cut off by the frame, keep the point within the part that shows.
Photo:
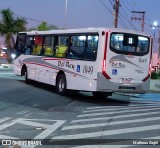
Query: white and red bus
(98,60)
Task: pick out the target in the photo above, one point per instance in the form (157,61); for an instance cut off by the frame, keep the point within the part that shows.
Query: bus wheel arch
(61,83)
(24,69)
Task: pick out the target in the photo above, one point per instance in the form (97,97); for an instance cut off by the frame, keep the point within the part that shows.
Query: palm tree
(9,26)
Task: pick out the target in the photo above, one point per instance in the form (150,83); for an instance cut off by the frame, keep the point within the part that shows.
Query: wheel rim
(61,85)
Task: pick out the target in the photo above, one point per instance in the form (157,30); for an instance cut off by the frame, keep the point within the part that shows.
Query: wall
(155,85)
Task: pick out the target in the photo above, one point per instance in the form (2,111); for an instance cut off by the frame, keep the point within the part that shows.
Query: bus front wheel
(61,84)
(27,81)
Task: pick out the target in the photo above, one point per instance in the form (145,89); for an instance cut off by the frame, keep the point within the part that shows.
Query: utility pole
(139,18)
(116,12)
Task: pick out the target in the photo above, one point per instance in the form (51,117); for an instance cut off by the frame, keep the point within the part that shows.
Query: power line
(123,23)
(127,19)
(105,6)
(139,18)
(30,18)
(111,3)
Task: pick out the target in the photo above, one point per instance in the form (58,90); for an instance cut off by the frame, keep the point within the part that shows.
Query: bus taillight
(104,59)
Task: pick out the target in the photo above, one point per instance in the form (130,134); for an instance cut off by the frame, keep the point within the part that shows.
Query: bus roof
(80,30)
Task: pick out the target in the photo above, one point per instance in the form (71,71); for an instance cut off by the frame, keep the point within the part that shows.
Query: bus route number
(87,69)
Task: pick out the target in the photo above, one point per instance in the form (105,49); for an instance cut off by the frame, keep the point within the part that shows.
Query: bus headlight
(13,55)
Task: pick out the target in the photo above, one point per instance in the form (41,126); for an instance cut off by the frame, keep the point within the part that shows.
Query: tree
(43,26)
(9,26)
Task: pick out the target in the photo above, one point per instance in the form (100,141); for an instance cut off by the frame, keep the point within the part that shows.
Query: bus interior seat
(61,51)
(48,51)
(37,50)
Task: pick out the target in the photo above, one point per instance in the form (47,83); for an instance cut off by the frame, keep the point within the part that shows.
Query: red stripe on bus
(104,58)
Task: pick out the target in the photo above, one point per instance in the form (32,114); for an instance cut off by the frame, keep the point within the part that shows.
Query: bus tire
(27,81)
(61,84)
(97,94)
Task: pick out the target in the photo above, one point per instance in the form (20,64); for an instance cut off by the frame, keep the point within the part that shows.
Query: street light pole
(65,15)
(159,45)
(154,27)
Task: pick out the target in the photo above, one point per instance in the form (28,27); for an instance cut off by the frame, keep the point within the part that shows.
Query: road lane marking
(115,117)
(22,112)
(7,137)
(118,108)
(8,124)
(110,123)
(110,113)
(35,105)
(4,119)
(109,132)
(48,128)
(114,107)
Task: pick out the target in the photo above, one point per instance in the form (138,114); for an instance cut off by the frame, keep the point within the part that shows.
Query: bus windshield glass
(123,43)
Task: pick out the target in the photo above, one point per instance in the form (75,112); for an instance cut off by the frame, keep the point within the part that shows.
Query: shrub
(154,75)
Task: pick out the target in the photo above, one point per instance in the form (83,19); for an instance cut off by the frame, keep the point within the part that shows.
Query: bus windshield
(123,43)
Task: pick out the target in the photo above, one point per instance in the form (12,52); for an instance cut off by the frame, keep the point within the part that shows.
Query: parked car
(3,53)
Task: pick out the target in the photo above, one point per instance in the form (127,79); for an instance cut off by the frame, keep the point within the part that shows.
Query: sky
(85,13)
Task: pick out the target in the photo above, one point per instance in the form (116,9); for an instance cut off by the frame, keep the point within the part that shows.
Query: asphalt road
(35,111)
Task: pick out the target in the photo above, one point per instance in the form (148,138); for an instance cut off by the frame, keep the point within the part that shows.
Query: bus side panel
(79,83)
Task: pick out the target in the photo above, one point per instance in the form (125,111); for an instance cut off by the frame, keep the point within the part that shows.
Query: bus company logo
(116,64)
(66,64)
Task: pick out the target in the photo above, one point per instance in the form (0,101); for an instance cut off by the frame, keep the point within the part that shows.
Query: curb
(127,94)
(155,85)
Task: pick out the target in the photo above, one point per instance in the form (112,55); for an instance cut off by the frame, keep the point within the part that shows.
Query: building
(155,62)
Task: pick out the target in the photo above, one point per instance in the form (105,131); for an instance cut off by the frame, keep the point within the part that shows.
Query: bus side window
(37,47)
(91,48)
(76,51)
(48,46)
(29,46)
(61,48)
(20,45)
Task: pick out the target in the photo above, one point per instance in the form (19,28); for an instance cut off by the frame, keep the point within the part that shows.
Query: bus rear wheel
(61,84)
